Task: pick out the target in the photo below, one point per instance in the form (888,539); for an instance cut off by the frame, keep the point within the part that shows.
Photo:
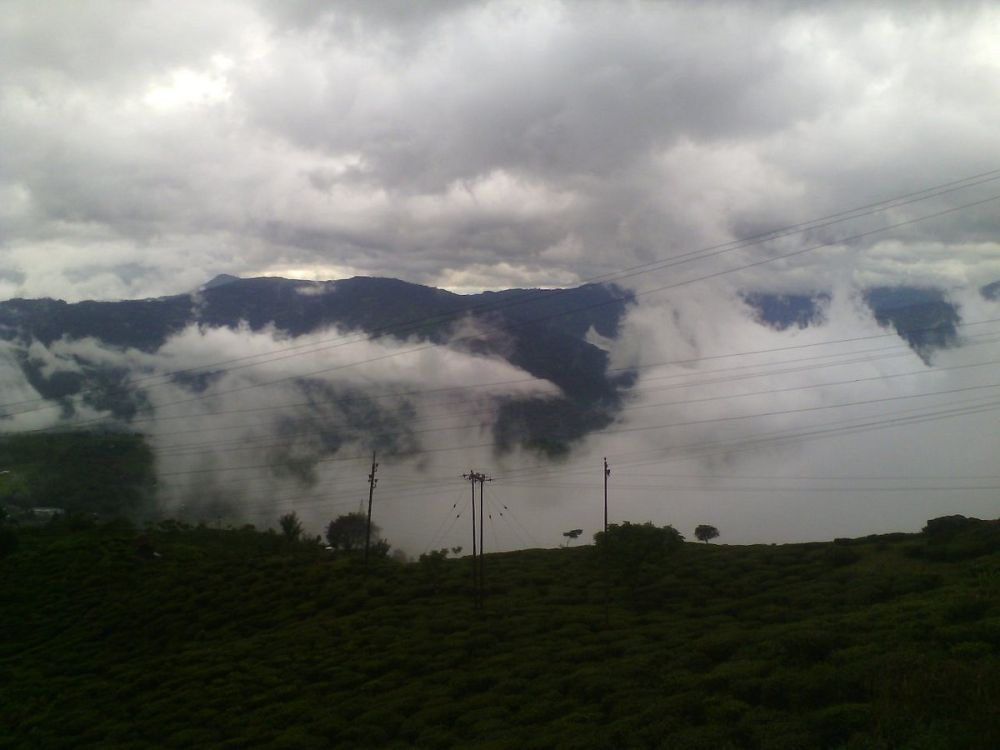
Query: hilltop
(236,638)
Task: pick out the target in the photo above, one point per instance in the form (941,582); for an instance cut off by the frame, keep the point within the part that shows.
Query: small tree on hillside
(571,535)
(634,543)
(705,532)
(291,527)
(347,534)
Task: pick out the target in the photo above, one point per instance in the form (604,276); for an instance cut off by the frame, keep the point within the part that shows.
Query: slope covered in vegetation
(106,473)
(244,639)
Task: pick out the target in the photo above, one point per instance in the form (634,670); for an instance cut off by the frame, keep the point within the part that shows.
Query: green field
(242,639)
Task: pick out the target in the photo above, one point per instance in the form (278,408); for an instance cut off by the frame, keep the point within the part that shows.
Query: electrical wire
(661,288)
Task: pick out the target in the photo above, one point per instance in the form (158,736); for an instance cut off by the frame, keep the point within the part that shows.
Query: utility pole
(472,476)
(482,544)
(477,557)
(607,582)
(371,493)
(607,473)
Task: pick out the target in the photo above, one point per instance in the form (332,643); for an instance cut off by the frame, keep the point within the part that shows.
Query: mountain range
(550,334)
(543,332)
(923,316)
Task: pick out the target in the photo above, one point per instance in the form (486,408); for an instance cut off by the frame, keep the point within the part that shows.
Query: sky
(147,146)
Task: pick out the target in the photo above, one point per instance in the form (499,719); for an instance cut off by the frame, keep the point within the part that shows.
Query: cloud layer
(148,146)
(151,145)
(835,430)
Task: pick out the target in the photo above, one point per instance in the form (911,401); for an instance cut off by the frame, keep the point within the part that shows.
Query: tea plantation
(188,637)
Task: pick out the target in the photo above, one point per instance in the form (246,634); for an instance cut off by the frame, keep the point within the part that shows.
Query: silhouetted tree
(571,535)
(291,527)
(705,532)
(631,544)
(347,533)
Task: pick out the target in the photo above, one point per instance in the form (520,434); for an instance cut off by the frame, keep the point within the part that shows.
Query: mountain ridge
(543,332)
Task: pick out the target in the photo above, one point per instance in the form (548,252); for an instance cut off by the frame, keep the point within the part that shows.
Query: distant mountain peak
(221,280)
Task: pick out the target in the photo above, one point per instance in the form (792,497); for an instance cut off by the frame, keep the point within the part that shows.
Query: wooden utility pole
(607,473)
(471,476)
(607,581)
(477,558)
(371,493)
(482,544)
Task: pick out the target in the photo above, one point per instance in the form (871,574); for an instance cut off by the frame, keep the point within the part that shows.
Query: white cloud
(574,139)
(151,145)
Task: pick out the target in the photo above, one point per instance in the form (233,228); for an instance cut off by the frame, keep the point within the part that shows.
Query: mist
(835,429)
(808,440)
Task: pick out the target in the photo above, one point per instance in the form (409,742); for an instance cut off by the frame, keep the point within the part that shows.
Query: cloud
(239,442)
(378,139)
(834,430)
(151,145)
(782,435)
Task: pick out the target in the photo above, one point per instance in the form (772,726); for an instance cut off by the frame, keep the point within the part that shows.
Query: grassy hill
(241,639)
(107,473)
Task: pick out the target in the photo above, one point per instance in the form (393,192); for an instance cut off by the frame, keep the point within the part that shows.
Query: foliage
(379,548)
(109,473)
(571,535)
(291,526)
(704,532)
(234,638)
(347,533)
(633,543)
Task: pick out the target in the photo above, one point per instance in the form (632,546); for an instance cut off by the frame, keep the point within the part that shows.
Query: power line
(604,303)
(700,374)
(710,251)
(182,448)
(493,444)
(825,430)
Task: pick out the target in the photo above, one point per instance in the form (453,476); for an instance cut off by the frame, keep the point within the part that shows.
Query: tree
(347,533)
(571,535)
(291,527)
(636,556)
(630,545)
(705,532)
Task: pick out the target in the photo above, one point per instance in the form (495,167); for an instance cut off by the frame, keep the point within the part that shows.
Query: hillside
(242,639)
(541,331)
(107,474)
(546,333)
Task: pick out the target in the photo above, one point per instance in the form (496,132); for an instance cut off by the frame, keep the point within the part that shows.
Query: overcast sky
(146,146)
